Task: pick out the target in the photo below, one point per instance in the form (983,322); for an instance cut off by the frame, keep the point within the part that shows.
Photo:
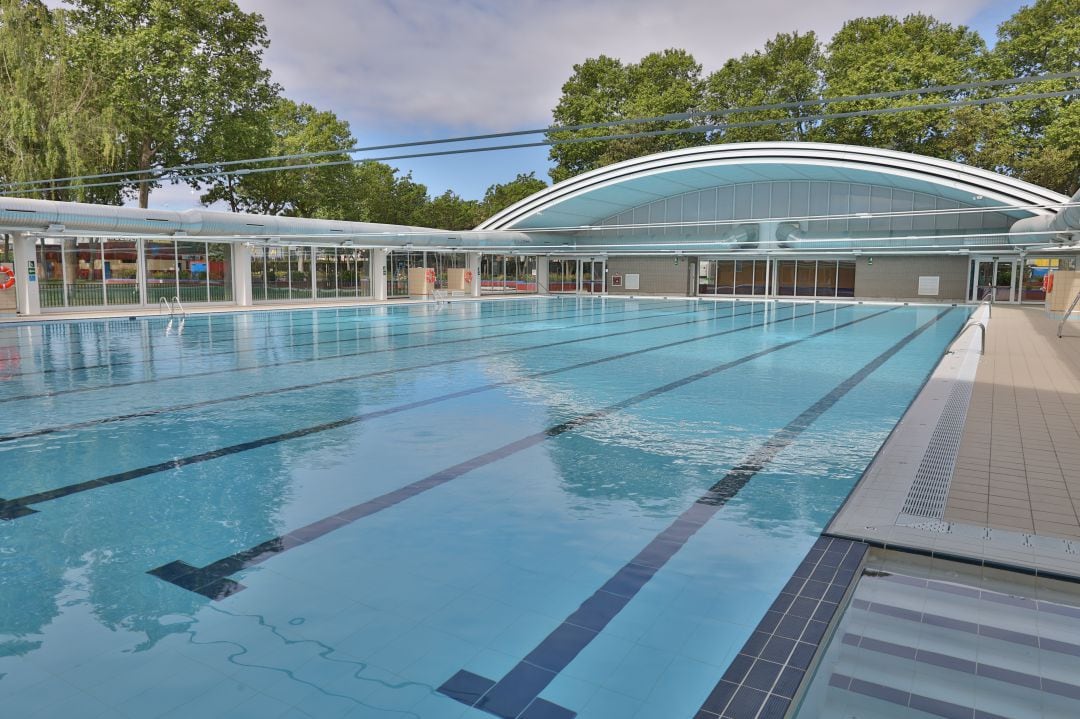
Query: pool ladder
(175,310)
(965,328)
(1064,317)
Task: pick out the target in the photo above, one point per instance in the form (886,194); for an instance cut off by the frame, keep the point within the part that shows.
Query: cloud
(393,66)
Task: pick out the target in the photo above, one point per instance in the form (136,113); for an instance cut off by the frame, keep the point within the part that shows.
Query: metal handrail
(982,336)
(179,307)
(167,306)
(1064,317)
(988,300)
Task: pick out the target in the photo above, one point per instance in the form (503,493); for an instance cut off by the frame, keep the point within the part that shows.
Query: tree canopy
(54,121)
(140,85)
(1038,140)
(175,74)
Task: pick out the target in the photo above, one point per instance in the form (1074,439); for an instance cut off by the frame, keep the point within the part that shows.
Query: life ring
(1048,282)
(468,277)
(430,277)
(10,281)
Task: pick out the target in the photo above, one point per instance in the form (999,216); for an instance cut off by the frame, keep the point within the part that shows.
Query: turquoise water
(502,461)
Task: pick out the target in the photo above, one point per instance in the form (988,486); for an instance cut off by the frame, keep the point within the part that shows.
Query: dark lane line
(305,360)
(472,322)
(517,693)
(18,507)
(349,378)
(212,580)
(267,330)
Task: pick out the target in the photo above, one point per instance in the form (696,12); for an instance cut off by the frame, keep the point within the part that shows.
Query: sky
(407,70)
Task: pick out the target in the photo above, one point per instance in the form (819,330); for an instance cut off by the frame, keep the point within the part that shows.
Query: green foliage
(1043,143)
(449,212)
(883,53)
(385,197)
(1038,140)
(175,72)
(291,129)
(53,122)
(603,89)
(500,196)
(787,71)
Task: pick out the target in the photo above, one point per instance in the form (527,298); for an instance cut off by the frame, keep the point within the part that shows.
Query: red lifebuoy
(430,277)
(10,281)
(1048,282)
(468,277)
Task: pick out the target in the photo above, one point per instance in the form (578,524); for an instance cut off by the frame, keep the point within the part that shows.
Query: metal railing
(965,328)
(1064,317)
(988,300)
(177,307)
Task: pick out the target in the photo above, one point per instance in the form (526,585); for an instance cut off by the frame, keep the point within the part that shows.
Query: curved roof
(591,197)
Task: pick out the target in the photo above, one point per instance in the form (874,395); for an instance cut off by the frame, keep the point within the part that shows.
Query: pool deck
(1014,491)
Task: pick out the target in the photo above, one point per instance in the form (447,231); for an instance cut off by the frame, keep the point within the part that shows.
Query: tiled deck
(1019,461)
(1014,497)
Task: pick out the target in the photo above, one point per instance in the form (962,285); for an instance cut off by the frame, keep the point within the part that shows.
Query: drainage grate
(929,491)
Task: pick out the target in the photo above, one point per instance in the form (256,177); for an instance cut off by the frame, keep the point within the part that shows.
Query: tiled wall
(659,275)
(898,277)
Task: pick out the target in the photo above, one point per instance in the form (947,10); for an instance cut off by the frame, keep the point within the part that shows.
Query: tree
(603,90)
(384,197)
(448,211)
(787,71)
(500,196)
(53,119)
(294,129)
(176,72)
(1043,143)
(870,55)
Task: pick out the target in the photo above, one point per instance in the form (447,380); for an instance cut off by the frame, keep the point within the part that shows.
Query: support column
(473,263)
(378,274)
(27,297)
(241,274)
(542,275)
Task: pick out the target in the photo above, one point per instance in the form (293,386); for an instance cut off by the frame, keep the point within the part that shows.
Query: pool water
(543,507)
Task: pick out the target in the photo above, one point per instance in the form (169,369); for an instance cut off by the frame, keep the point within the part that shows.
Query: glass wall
(283,274)
(84,272)
(342,272)
(502,274)
(562,275)
(399,262)
(815,278)
(731,277)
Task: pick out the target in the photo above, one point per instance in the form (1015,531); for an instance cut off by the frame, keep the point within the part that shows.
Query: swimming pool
(546,506)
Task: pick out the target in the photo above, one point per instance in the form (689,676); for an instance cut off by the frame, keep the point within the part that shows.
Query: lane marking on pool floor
(212,580)
(517,693)
(366,375)
(18,507)
(473,323)
(347,355)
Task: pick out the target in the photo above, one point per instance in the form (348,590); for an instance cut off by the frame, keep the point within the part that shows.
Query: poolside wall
(898,277)
(659,275)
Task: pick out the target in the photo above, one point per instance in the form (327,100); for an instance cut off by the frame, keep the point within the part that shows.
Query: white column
(473,263)
(241,274)
(542,275)
(378,274)
(27,298)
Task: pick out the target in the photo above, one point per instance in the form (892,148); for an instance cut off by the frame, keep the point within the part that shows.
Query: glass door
(1004,272)
(562,276)
(397,274)
(592,276)
(994,277)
